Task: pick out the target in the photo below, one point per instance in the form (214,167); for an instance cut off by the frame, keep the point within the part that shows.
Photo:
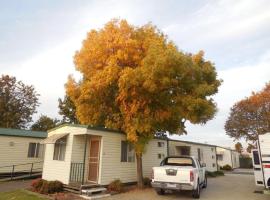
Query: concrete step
(91,191)
(97,196)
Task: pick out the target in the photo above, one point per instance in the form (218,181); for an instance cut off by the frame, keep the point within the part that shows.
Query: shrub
(37,184)
(147,182)
(226,168)
(210,174)
(214,174)
(46,187)
(219,173)
(115,186)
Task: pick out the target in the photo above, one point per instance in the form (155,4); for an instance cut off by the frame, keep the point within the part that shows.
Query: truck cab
(179,173)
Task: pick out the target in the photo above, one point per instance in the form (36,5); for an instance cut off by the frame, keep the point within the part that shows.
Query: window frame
(127,152)
(37,147)
(59,153)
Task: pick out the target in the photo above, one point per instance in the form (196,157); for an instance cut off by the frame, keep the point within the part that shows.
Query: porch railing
(76,172)
(23,170)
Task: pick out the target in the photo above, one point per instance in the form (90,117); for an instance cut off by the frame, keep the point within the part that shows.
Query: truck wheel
(205,183)
(160,191)
(196,192)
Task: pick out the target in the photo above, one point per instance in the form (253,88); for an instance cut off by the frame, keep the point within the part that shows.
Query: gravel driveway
(229,187)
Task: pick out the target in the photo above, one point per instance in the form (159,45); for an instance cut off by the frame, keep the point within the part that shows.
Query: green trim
(22,133)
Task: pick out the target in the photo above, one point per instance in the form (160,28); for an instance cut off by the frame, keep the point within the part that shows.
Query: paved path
(229,187)
(14,185)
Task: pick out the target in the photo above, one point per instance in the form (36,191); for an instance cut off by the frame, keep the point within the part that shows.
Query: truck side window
(256,158)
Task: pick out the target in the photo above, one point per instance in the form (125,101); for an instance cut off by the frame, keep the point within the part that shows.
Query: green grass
(20,195)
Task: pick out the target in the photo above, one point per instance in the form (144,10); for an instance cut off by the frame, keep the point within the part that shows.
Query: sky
(39,39)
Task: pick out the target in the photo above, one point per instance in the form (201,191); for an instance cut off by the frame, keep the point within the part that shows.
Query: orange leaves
(136,81)
(250,116)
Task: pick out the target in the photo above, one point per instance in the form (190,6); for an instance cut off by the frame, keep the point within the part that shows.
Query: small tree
(136,81)
(238,147)
(250,147)
(250,117)
(44,123)
(68,110)
(18,103)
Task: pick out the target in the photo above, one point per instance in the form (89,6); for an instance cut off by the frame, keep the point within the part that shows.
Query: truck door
(257,166)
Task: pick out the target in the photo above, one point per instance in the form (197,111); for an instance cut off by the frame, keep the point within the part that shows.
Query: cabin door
(94,158)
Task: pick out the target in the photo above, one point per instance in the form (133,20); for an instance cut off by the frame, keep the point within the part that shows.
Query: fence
(23,170)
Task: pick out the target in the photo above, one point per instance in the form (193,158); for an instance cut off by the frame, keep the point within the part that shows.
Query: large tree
(44,123)
(136,81)
(250,117)
(18,103)
(68,110)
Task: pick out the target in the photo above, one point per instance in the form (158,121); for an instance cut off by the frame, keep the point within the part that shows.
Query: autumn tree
(238,147)
(44,123)
(250,147)
(136,81)
(250,117)
(67,110)
(18,103)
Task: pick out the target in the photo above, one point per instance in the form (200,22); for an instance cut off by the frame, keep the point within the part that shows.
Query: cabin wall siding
(17,154)
(55,169)
(208,153)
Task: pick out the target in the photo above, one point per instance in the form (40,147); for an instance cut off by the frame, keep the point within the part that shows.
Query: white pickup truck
(179,173)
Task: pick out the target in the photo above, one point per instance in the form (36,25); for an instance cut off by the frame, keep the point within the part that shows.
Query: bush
(210,174)
(226,168)
(37,184)
(147,182)
(46,187)
(219,173)
(115,186)
(214,174)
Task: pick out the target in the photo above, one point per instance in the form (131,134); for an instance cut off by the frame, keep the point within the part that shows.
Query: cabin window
(219,157)
(161,156)
(35,150)
(213,157)
(214,165)
(127,152)
(161,144)
(60,149)
(212,149)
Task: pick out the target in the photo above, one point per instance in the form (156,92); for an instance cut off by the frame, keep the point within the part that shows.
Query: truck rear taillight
(266,166)
(152,174)
(191,175)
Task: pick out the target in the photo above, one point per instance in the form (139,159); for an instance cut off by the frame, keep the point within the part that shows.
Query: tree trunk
(139,170)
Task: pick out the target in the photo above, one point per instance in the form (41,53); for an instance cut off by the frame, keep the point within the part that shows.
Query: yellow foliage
(136,81)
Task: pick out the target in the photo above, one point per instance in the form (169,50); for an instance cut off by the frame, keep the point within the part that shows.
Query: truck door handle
(257,169)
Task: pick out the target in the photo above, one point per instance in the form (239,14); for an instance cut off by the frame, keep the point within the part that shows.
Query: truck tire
(205,183)
(160,191)
(196,192)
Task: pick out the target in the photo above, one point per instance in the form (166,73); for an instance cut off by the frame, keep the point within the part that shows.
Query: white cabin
(78,154)
(227,156)
(205,153)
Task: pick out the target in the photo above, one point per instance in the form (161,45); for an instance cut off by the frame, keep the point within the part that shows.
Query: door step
(97,196)
(93,190)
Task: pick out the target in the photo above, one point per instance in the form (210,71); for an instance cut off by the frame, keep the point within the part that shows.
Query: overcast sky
(39,38)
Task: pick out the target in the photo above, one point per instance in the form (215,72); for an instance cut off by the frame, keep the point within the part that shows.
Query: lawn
(20,195)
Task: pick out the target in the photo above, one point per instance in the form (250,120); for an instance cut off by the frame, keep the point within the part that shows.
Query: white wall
(110,168)
(208,155)
(56,169)
(17,154)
